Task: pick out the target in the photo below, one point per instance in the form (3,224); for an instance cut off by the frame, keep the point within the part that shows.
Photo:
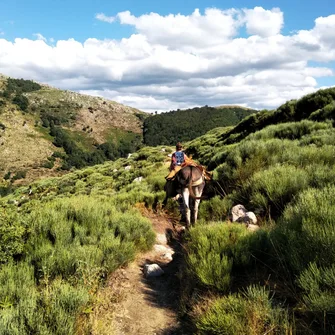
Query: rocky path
(135,304)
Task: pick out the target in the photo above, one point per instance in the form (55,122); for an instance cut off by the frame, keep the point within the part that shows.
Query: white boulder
(162,249)
(250,218)
(237,213)
(168,256)
(161,238)
(152,270)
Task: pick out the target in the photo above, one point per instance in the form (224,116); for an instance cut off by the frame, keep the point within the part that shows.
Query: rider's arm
(173,162)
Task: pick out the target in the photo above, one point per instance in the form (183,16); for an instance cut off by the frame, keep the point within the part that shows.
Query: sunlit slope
(44,129)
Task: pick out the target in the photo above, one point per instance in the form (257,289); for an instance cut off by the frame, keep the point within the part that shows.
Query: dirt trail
(139,305)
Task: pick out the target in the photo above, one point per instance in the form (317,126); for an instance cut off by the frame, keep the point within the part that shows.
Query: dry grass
(22,147)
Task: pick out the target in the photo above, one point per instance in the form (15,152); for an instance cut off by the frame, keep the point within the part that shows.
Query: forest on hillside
(185,125)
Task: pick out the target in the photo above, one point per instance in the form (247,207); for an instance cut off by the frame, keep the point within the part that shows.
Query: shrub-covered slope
(61,237)
(184,125)
(43,130)
(280,279)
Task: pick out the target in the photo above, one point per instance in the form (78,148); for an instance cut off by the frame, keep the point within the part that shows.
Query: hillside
(43,128)
(71,233)
(184,125)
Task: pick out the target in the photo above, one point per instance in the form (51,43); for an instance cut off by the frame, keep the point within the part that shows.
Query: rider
(177,159)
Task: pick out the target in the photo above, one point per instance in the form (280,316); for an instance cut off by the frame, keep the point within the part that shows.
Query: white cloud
(181,31)
(263,22)
(180,61)
(104,18)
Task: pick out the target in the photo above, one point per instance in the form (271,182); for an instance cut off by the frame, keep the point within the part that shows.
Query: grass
(71,232)
(251,312)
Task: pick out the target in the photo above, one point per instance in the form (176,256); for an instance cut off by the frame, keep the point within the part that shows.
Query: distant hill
(44,130)
(233,106)
(184,125)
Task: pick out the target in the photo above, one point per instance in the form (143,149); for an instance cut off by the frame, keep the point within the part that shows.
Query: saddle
(189,162)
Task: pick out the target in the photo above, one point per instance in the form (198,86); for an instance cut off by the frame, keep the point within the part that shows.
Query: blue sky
(63,19)
(259,55)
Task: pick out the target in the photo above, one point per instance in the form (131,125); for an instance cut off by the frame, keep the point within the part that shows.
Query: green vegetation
(59,244)
(81,152)
(15,90)
(249,313)
(284,172)
(88,130)
(184,125)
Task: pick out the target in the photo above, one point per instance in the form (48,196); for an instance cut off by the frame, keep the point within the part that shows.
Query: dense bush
(294,110)
(26,310)
(249,313)
(21,101)
(72,243)
(12,235)
(217,251)
(15,89)
(311,223)
(21,86)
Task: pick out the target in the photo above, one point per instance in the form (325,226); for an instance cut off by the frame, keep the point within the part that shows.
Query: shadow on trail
(164,291)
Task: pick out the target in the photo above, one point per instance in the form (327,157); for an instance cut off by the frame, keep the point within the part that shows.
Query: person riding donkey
(178,158)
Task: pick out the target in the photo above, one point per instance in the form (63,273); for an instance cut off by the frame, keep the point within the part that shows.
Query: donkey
(189,182)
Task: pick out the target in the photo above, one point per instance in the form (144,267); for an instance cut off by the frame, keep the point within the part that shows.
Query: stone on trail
(161,238)
(168,256)
(152,270)
(162,249)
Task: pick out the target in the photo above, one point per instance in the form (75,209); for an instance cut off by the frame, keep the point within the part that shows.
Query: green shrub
(21,101)
(19,175)
(19,299)
(325,113)
(278,185)
(215,251)
(290,130)
(26,310)
(249,313)
(70,231)
(309,225)
(215,209)
(12,235)
(319,286)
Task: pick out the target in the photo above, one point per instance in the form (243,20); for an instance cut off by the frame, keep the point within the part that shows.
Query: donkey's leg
(192,208)
(198,192)
(186,197)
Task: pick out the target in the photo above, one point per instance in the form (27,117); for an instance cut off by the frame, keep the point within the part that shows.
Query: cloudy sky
(163,55)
